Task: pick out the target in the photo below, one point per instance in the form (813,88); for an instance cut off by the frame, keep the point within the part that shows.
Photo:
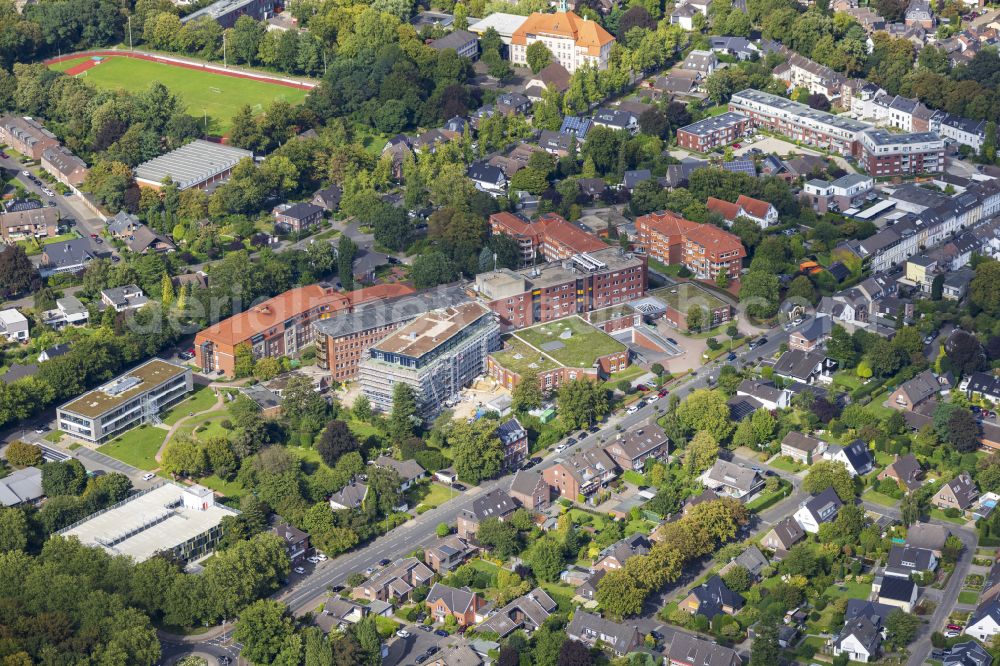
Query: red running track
(186,65)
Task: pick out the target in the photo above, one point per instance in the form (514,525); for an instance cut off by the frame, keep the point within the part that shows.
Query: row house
(27,136)
(903,113)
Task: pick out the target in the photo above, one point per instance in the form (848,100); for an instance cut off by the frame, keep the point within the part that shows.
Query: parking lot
(420,645)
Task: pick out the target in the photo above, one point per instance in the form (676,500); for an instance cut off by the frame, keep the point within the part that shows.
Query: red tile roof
(557,228)
(715,240)
(666,223)
(291,303)
(731,211)
(724,208)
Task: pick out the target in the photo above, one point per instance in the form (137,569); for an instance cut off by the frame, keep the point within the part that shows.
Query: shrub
(952,512)
(227,424)
(23,454)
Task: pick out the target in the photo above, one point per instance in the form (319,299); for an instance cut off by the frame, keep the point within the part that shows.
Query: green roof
(683,295)
(519,357)
(581,348)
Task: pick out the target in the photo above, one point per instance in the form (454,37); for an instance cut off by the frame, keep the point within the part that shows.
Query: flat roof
(613,312)
(713,123)
(571,342)
(683,295)
(119,390)
(148,523)
(518,356)
(431,330)
(191,164)
(504,24)
(217,9)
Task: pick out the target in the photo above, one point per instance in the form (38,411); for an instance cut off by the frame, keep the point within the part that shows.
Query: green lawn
(228,488)
(201,399)
(201,92)
(851,590)
(581,517)
(436,495)
(137,447)
(631,373)
(968,597)
(54,436)
(362,430)
(785,464)
(879,498)
(939,514)
(847,379)
(561,594)
(634,477)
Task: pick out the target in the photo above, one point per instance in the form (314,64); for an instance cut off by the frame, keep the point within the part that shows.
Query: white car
(25,173)
(321,557)
(299,570)
(561,447)
(632,410)
(951,633)
(403,633)
(148,476)
(312,560)
(653,398)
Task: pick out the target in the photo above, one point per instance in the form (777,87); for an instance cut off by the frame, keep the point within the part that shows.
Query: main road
(306,593)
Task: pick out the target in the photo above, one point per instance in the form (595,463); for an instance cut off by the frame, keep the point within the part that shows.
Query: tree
(17,274)
(336,440)
(580,402)
(501,538)
(184,457)
(23,454)
(653,122)
(957,426)
(759,294)
(982,290)
(527,394)
(738,578)
(346,251)
(302,406)
(911,509)
(538,56)
(620,594)
(362,409)
(801,289)
(63,478)
(265,630)
(701,452)
(431,269)
(546,559)
(901,628)
(478,451)
(765,650)
(574,653)
(243,360)
(937,287)
(988,150)
(403,418)
(13,530)
(443,530)
(964,352)
(829,474)
(695,318)
(706,410)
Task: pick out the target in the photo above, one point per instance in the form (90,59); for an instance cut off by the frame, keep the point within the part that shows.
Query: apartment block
(27,136)
(713,132)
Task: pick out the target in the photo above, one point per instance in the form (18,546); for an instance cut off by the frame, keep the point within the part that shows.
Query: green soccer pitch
(217,95)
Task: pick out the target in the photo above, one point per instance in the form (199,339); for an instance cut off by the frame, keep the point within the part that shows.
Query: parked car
(432,650)
(653,398)
(299,570)
(633,409)
(312,559)
(403,633)
(571,441)
(561,447)
(663,392)
(441,632)
(731,356)
(421,658)
(459,487)
(536,460)
(672,341)
(384,562)
(642,387)
(424,627)
(148,476)
(758,342)
(321,557)
(951,633)
(954,627)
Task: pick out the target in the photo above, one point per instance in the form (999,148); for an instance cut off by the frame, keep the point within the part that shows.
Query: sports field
(202,92)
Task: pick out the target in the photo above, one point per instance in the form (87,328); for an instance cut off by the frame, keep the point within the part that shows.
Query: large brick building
(713,132)
(550,236)
(704,249)
(280,326)
(584,283)
(342,342)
